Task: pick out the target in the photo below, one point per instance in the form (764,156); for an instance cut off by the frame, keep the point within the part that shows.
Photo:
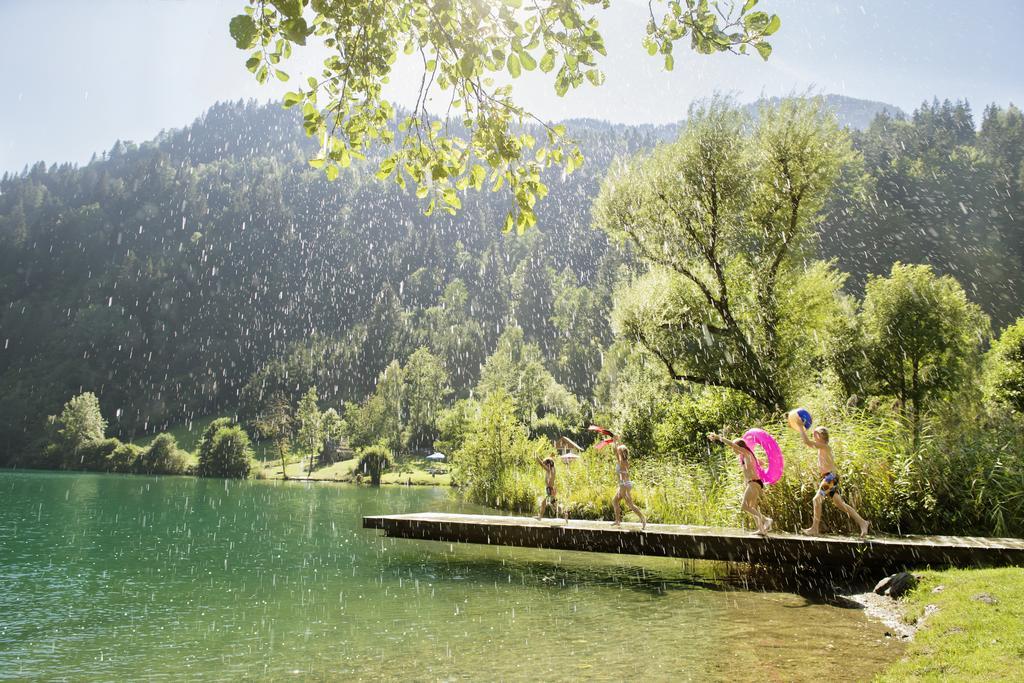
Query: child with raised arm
(829,486)
(550,489)
(753,485)
(625,487)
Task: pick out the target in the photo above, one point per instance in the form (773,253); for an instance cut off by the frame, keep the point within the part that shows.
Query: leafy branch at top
(465,47)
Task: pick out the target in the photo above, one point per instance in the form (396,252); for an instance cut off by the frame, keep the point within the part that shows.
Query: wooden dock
(699,542)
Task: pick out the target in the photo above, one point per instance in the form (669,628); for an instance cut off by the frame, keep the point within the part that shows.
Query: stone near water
(896,585)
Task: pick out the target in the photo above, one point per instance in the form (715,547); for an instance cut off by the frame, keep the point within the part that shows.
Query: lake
(130,577)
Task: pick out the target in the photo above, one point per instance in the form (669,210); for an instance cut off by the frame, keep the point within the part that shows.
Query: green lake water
(108,577)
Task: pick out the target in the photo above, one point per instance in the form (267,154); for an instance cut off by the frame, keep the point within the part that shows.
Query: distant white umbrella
(569,457)
(436,456)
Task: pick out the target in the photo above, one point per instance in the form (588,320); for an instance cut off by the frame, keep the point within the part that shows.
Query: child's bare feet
(539,517)
(616,523)
(768,521)
(864,528)
(810,532)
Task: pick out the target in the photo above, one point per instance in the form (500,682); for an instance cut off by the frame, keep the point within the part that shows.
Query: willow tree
(467,50)
(725,220)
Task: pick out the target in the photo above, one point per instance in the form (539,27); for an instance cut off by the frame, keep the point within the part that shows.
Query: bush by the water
(163,457)
(75,441)
(225,451)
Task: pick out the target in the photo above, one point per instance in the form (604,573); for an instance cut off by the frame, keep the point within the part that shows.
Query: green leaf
(289,8)
(467,65)
(763,49)
(332,172)
(561,83)
(748,5)
(317,162)
(451,198)
(478,173)
(243,30)
(529,63)
(595,76)
(513,66)
(756,21)
(670,62)
(773,25)
(252,64)
(295,30)
(281,75)
(547,62)
(291,99)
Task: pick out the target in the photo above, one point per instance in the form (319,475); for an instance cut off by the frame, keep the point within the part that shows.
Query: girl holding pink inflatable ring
(753,474)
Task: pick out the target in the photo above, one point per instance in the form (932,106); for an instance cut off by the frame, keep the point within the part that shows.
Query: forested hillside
(211,268)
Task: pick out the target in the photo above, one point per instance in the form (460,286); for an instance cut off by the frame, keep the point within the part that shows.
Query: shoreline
(887,611)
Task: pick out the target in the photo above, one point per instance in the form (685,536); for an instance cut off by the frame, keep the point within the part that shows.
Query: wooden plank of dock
(701,542)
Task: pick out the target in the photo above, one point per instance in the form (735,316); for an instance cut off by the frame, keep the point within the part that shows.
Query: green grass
(965,638)
(412,470)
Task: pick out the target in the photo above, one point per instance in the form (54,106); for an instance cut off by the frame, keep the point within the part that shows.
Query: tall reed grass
(965,475)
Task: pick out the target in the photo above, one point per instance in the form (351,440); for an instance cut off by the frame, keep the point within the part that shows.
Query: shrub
(373,461)
(1005,367)
(163,457)
(94,457)
(226,453)
(124,458)
(689,417)
(211,429)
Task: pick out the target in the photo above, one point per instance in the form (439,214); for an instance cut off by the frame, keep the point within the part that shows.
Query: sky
(80,75)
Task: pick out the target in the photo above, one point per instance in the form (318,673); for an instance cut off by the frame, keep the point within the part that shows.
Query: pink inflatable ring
(759,437)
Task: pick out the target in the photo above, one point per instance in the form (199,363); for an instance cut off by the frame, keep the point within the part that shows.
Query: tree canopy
(922,334)
(465,49)
(725,217)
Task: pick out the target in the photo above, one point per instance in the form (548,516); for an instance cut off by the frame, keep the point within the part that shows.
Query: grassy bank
(972,627)
(409,472)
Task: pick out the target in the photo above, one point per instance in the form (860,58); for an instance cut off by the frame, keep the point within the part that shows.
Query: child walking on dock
(550,490)
(754,484)
(829,486)
(625,489)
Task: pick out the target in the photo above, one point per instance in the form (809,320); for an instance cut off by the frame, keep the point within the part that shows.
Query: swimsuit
(743,462)
(623,483)
(550,497)
(829,485)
